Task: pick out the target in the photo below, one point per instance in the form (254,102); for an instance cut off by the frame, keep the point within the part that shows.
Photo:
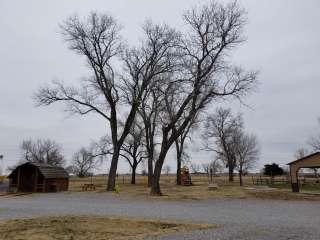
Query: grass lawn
(84,227)
(198,191)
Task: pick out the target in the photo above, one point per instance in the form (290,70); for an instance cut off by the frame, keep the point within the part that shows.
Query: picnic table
(88,186)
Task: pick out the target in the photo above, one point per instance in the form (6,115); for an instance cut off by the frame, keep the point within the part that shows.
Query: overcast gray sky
(283,44)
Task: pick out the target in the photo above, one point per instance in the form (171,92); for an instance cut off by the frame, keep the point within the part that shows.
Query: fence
(281,181)
(269,180)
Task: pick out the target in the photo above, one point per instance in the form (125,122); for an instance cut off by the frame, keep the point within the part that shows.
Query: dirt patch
(84,227)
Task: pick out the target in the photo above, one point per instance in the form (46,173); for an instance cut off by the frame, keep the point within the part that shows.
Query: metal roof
(304,158)
(48,171)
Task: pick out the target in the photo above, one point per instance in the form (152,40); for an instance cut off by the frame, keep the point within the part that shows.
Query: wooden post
(294,178)
(260,180)
(18,180)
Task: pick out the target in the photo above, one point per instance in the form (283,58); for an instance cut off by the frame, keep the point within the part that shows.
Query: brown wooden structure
(185,177)
(310,161)
(38,177)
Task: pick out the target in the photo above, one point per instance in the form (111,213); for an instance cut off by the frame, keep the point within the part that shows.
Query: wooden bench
(87,187)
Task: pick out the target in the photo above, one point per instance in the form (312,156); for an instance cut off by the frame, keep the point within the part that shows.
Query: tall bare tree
(205,75)
(237,149)
(149,112)
(133,148)
(42,151)
(220,134)
(107,92)
(247,152)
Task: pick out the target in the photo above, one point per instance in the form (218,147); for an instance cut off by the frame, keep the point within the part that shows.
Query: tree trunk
(178,172)
(155,187)
(133,175)
(240,177)
(150,168)
(150,149)
(113,170)
(179,153)
(230,173)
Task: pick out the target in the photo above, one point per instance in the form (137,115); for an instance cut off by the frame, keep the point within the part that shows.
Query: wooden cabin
(38,177)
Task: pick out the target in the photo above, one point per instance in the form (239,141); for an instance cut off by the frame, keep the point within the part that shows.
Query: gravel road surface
(236,218)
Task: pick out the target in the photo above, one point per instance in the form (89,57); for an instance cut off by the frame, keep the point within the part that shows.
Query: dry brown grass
(282,194)
(124,180)
(198,191)
(84,227)
(174,192)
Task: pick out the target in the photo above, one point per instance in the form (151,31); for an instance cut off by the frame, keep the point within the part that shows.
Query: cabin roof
(48,171)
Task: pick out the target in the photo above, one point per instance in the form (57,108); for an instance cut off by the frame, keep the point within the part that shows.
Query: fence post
(260,180)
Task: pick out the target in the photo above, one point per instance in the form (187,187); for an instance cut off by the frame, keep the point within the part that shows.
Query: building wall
(56,185)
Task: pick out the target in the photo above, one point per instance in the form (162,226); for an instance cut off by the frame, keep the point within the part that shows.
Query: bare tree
(314,141)
(42,151)
(222,127)
(247,152)
(149,112)
(301,152)
(215,165)
(167,169)
(206,167)
(133,149)
(237,149)
(108,91)
(204,74)
(83,162)
(195,168)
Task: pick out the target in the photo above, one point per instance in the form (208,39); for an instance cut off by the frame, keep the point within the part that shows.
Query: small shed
(310,161)
(38,177)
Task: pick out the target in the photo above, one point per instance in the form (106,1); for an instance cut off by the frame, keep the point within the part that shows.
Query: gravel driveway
(236,218)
